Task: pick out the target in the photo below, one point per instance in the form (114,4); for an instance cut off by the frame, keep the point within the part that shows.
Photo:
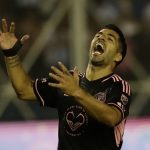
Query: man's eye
(110,39)
(97,35)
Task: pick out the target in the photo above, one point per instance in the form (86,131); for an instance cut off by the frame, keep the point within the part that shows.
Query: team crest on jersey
(101,96)
(124,99)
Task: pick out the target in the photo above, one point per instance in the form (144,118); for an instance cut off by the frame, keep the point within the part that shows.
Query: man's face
(104,48)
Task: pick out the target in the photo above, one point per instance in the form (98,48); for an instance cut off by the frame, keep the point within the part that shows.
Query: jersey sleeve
(119,96)
(46,95)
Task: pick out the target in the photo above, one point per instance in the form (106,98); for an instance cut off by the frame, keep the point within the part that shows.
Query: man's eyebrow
(100,32)
(111,35)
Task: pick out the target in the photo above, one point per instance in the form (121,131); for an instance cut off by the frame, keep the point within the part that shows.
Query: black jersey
(77,129)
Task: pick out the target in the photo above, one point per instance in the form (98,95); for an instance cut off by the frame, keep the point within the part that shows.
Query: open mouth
(99,48)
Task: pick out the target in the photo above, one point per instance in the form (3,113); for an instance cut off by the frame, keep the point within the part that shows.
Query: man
(93,106)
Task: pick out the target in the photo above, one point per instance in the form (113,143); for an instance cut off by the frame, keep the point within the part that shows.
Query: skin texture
(100,65)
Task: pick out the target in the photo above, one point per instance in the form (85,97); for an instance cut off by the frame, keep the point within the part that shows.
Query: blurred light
(42,135)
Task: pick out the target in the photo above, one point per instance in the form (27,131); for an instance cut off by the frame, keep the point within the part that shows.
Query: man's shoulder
(117,79)
(122,84)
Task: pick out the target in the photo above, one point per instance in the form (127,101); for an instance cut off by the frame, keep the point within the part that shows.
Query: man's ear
(118,57)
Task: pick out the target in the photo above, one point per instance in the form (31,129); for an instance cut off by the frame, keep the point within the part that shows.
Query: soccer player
(93,106)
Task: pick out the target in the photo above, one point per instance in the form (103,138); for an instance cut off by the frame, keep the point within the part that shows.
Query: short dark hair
(123,49)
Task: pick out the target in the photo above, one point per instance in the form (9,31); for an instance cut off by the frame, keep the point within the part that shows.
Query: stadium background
(62,30)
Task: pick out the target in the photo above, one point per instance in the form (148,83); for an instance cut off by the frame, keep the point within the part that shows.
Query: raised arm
(9,45)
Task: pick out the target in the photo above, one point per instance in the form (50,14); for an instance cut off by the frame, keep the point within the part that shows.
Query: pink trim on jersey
(109,78)
(119,131)
(129,90)
(117,79)
(39,93)
(125,85)
(114,79)
(118,107)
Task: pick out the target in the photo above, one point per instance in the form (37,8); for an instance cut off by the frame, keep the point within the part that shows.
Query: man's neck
(94,73)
